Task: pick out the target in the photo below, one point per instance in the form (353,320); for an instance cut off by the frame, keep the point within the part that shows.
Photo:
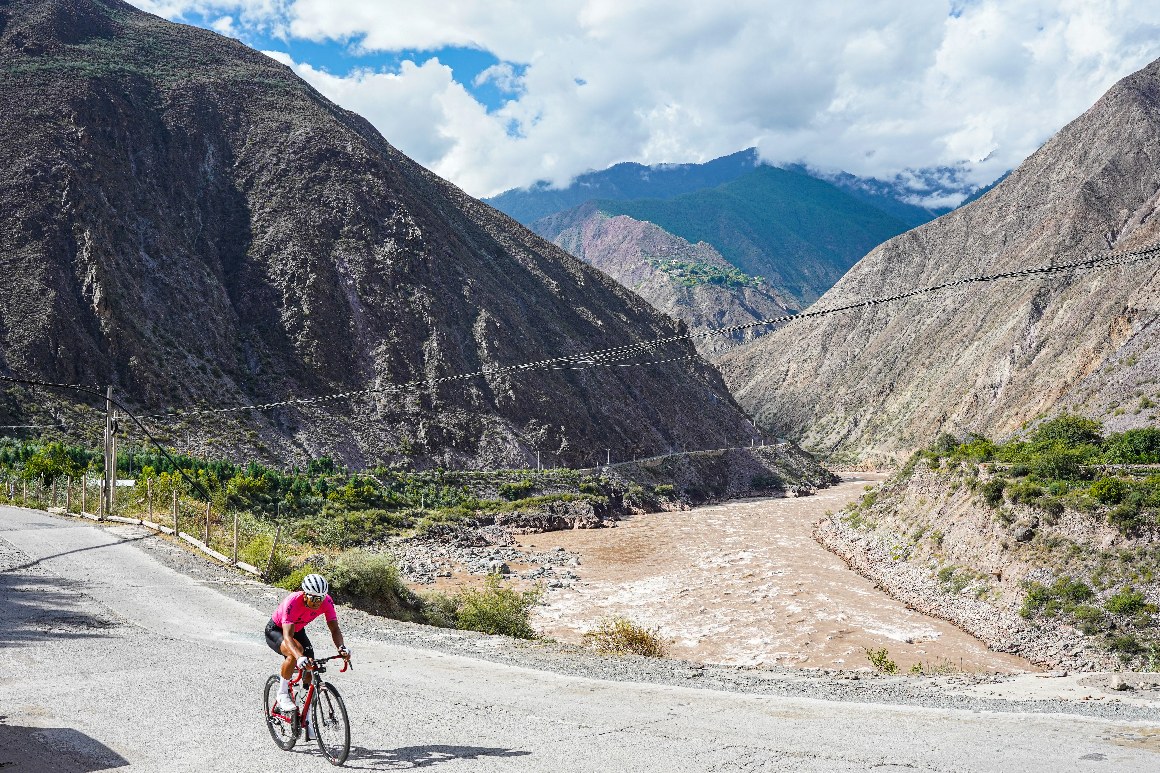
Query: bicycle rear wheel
(331,725)
(284,733)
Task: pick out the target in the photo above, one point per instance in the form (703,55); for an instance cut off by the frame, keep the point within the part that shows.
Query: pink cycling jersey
(293,609)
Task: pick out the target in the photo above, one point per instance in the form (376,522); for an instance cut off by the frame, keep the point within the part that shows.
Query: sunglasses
(311,598)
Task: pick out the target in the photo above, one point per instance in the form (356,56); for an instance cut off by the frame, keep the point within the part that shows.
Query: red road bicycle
(329,718)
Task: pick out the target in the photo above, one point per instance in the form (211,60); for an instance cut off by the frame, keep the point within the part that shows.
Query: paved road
(116,662)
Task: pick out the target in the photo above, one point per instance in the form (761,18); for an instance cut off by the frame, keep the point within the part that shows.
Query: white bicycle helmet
(315,585)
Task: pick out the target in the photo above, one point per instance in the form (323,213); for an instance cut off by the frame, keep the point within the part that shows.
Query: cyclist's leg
(274,640)
(308,651)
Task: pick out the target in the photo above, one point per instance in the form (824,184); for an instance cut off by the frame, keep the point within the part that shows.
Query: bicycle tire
(331,724)
(285,734)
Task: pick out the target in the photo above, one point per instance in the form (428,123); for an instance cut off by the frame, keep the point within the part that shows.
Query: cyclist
(286,634)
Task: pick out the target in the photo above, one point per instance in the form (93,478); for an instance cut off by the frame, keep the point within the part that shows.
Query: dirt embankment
(928,540)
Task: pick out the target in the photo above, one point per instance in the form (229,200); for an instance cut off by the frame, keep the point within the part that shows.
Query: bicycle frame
(316,668)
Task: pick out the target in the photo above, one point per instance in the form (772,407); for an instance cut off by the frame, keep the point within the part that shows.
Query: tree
(1069,430)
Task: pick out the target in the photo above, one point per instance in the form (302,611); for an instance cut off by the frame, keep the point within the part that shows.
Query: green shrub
(664,490)
(1063,595)
(620,636)
(1069,430)
(953,581)
(1057,462)
(293,581)
(371,581)
(1127,519)
(1024,492)
(1126,645)
(1090,619)
(514,491)
(1136,446)
(493,609)
(881,661)
(992,491)
(976,448)
(945,443)
(1109,491)
(362,573)
(1126,601)
(1051,506)
(257,553)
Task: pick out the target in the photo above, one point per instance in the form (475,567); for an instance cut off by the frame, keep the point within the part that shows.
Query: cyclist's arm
(335,633)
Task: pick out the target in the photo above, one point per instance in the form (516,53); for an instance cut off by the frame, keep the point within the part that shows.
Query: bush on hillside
(371,581)
(1136,446)
(494,609)
(1068,430)
(621,636)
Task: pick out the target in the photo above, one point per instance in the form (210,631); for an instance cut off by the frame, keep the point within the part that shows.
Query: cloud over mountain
(874,89)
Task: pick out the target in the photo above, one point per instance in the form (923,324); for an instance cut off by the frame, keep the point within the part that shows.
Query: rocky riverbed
(741,582)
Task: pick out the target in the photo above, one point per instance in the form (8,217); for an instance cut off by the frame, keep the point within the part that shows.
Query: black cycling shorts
(274,639)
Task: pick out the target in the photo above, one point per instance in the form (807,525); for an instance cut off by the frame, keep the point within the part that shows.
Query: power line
(606,357)
(92,391)
(609,357)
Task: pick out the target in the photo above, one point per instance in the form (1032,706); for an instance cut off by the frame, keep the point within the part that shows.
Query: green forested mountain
(622,181)
(798,232)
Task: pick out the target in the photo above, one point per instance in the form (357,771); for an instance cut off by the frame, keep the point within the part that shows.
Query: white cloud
(875,88)
(503,76)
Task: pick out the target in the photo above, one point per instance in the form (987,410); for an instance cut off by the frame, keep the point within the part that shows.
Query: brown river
(745,583)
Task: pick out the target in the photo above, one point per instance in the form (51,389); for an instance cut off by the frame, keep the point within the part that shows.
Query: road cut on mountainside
(125,652)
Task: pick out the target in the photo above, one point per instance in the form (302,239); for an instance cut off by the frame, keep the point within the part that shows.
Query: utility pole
(107,494)
(113,456)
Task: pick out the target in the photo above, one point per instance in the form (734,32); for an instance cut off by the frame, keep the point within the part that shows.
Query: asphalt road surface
(114,661)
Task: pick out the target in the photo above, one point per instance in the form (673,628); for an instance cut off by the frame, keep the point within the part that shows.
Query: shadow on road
(42,608)
(30,564)
(53,750)
(420,756)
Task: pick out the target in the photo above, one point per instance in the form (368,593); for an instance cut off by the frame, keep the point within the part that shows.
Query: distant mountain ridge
(622,181)
(797,229)
(882,380)
(797,232)
(665,181)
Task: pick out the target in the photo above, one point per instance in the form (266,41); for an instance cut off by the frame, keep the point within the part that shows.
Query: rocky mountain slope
(691,282)
(884,379)
(183,218)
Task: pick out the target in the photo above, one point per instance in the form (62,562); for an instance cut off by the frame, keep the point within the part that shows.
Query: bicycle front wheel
(284,733)
(331,725)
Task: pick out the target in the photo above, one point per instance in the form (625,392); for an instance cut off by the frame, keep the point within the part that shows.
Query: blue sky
(343,57)
(500,95)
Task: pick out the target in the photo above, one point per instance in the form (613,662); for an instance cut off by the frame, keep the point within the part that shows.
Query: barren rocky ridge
(879,381)
(185,219)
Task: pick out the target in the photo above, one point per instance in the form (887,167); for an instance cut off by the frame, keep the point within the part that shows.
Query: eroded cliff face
(661,268)
(183,218)
(929,538)
(877,382)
